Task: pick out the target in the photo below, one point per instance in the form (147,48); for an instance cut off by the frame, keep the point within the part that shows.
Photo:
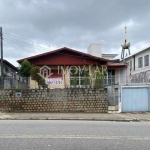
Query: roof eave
(55,51)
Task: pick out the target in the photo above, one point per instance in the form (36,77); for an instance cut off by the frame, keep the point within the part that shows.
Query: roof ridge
(60,49)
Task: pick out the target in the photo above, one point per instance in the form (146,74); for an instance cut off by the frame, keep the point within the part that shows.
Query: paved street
(73,135)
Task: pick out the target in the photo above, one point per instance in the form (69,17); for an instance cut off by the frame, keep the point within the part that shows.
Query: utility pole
(1,73)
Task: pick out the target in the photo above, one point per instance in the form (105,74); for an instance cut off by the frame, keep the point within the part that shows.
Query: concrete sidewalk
(77,116)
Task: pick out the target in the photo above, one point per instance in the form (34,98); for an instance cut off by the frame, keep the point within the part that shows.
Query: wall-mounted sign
(18,94)
(53,81)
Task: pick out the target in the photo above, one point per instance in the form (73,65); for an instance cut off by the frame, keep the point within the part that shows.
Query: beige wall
(66,80)
(65,83)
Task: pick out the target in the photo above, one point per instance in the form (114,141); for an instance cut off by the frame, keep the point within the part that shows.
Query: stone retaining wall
(54,100)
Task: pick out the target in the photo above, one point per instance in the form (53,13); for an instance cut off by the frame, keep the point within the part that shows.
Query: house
(135,95)
(65,67)
(139,66)
(9,70)
(11,78)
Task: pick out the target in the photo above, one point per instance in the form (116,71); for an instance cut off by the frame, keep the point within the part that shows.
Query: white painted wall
(109,56)
(95,50)
(122,74)
(137,55)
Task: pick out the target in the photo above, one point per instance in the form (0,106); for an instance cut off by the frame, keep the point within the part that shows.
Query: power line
(22,38)
(22,41)
(37,47)
(24,44)
(19,37)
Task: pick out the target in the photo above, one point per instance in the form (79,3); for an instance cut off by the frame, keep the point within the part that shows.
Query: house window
(146,60)
(79,77)
(140,62)
(130,65)
(110,78)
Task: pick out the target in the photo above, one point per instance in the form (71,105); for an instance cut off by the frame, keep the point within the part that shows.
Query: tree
(25,68)
(34,76)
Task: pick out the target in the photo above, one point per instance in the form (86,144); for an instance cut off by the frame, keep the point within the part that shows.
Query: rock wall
(54,100)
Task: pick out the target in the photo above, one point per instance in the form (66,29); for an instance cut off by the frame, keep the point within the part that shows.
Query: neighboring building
(139,66)
(53,62)
(95,50)
(11,77)
(109,56)
(135,96)
(9,70)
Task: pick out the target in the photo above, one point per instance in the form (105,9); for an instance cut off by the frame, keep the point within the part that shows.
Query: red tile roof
(115,65)
(61,50)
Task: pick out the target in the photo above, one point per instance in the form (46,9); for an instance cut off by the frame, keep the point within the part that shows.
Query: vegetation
(25,69)
(28,70)
(74,78)
(99,80)
(34,76)
(97,76)
(87,78)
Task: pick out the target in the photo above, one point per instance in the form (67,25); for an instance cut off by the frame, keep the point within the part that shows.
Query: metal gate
(135,99)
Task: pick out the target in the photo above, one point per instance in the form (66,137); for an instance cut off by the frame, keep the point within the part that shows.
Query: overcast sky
(35,26)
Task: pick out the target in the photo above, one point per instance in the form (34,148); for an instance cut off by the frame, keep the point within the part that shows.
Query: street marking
(9,136)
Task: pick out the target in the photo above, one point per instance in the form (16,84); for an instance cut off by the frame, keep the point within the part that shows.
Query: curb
(79,119)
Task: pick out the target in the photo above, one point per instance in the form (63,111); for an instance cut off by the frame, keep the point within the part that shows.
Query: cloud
(31,26)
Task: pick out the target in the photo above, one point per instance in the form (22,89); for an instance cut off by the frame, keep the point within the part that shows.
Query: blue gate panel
(134,99)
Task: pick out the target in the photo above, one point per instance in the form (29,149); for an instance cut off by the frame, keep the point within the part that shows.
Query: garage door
(134,99)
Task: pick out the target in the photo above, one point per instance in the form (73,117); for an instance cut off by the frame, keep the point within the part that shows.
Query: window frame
(80,77)
(110,77)
(146,60)
(140,62)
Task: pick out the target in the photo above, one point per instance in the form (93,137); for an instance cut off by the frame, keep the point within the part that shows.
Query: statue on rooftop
(125,45)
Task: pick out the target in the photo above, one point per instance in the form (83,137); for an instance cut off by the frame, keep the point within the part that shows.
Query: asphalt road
(73,135)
